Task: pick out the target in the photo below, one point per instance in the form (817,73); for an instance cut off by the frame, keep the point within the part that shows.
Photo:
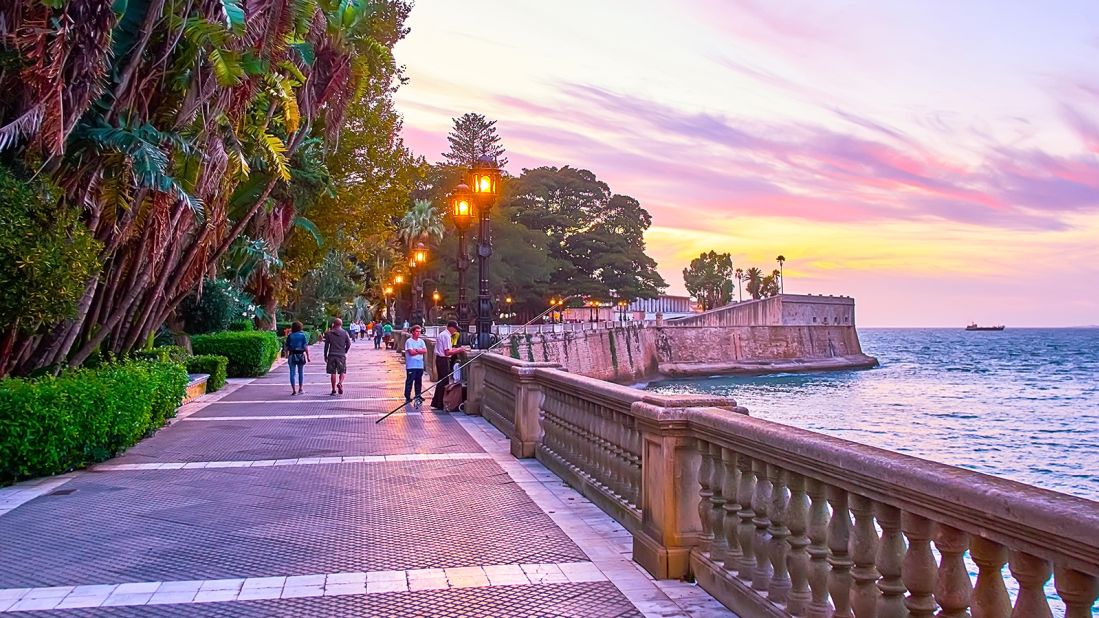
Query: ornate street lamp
(484,182)
(510,314)
(461,211)
(386,293)
(416,262)
(435,296)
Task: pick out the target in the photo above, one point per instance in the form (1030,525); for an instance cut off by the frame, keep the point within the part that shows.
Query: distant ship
(974,326)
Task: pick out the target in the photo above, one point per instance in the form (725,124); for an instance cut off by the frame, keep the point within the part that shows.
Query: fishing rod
(490,348)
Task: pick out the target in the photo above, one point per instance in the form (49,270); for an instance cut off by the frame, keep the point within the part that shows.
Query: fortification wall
(784,310)
(636,353)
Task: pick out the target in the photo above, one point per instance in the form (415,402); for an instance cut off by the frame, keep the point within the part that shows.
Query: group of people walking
(337,343)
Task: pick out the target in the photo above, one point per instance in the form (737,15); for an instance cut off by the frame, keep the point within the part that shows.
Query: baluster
(704,495)
(1032,573)
(602,448)
(889,560)
(839,536)
(733,554)
(717,505)
(761,500)
(819,607)
(864,550)
(746,530)
(635,465)
(990,599)
(953,588)
(919,571)
(797,514)
(618,455)
(1078,591)
(779,588)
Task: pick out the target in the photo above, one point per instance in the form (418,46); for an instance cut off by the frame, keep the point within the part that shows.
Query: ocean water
(1021,404)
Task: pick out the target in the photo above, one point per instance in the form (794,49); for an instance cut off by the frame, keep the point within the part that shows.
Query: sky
(938,161)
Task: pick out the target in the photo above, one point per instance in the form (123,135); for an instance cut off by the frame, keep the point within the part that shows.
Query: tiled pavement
(257,503)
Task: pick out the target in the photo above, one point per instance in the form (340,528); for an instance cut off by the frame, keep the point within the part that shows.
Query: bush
(243,325)
(52,424)
(163,354)
(212,364)
(46,253)
(220,305)
(250,353)
(314,336)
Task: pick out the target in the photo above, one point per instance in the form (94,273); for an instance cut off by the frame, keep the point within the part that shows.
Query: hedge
(211,364)
(50,425)
(245,325)
(250,353)
(163,354)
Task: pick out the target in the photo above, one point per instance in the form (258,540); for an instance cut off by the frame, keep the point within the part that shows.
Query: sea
(1022,403)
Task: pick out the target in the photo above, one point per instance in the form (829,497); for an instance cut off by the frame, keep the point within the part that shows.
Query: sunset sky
(938,161)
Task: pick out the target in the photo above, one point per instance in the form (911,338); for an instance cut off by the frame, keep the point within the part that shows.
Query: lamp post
(386,293)
(416,262)
(435,296)
(398,281)
(484,183)
(781,279)
(511,316)
(622,305)
(461,211)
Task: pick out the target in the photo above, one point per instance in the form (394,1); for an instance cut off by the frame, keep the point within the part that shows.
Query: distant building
(670,306)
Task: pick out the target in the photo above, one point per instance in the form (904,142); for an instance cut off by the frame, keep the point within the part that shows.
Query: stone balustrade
(778,521)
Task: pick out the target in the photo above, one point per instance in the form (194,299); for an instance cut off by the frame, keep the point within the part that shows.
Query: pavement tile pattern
(172,525)
(581,600)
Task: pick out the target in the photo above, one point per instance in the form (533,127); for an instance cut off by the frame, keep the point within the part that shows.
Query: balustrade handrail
(1056,526)
(730,498)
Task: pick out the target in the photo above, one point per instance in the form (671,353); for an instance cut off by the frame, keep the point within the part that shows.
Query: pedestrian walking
(443,353)
(415,349)
(297,348)
(354,330)
(377,332)
(387,335)
(336,345)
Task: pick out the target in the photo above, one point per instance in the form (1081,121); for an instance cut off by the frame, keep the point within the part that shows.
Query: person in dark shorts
(336,344)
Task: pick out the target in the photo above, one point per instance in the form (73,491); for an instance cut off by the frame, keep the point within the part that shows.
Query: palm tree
(755,282)
(422,222)
(781,259)
(739,279)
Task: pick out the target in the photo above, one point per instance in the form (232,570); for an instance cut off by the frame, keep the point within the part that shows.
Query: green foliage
(513,343)
(214,365)
(243,325)
(314,336)
(220,306)
(46,254)
(472,137)
(709,278)
(50,425)
(250,353)
(595,237)
(760,285)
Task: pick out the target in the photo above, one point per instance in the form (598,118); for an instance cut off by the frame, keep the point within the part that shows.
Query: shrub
(163,354)
(211,364)
(220,305)
(244,325)
(50,425)
(46,253)
(250,353)
(314,336)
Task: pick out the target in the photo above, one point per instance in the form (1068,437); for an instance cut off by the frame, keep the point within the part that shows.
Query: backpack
(453,397)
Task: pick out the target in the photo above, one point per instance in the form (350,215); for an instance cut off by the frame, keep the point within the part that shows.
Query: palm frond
(22,127)
(309,226)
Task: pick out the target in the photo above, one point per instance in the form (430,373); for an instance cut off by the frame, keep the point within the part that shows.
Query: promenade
(254,502)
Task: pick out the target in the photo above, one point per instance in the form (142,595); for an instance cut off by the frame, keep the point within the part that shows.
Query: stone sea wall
(636,353)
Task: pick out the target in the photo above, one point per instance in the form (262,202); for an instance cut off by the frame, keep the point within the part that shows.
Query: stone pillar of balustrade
(670,524)
(528,405)
(475,385)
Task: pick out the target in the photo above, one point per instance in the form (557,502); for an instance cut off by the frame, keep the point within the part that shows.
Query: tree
(421,222)
(781,259)
(472,137)
(595,237)
(709,278)
(176,128)
(755,282)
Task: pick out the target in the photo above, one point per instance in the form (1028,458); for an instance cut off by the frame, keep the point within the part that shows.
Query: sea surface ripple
(1021,404)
